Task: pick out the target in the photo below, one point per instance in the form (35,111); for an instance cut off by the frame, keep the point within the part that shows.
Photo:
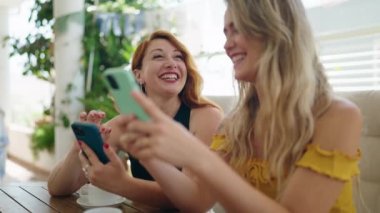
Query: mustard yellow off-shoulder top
(330,163)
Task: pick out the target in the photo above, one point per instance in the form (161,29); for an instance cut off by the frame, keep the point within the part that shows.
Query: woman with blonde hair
(169,77)
(288,146)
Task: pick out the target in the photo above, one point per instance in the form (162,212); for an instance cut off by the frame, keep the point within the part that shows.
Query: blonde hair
(293,88)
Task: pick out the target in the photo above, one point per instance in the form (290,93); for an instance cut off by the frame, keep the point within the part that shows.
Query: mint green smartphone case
(121,82)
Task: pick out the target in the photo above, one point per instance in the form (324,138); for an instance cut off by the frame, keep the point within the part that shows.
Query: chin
(246,75)
(239,76)
(172,92)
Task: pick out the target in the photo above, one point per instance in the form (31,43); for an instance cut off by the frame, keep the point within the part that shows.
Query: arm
(183,188)
(338,129)
(307,191)
(170,179)
(67,176)
(114,178)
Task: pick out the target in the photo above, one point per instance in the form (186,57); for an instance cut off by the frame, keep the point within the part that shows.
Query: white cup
(97,196)
(103,210)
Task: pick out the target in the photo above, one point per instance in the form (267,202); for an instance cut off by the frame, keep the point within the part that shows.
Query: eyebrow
(161,50)
(157,49)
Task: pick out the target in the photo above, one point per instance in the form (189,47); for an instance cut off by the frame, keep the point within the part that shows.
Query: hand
(122,121)
(160,137)
(96,117)
(93,116)
(108,176)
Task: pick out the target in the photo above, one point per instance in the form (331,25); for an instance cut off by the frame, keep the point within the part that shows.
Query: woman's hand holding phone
(161,137)
(100,174)
(89,134)
(96,117)
(121,82)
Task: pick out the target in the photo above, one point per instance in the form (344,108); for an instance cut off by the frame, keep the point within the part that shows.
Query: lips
(237,58)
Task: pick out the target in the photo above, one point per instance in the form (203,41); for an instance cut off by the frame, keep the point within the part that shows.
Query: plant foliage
(105,48)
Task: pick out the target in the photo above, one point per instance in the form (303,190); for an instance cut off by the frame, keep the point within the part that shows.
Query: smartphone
(121,82)
(89,133)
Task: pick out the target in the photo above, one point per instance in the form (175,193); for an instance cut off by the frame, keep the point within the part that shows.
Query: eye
(234,30)
(179,57)
(230,30)
(157,56)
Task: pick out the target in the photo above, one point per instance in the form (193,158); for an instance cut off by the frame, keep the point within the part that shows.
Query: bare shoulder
(204,122)
(206,112)
(339,128)
(206,116)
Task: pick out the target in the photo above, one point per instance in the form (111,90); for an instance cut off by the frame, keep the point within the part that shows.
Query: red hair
(191,93)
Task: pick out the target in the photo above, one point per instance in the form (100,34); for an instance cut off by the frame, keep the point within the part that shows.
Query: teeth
(237,58)
(169,76)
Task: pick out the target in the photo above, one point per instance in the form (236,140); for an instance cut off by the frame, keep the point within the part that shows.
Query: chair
(369,179)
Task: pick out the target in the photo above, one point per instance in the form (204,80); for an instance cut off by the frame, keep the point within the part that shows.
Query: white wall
(20,149)
(346,16)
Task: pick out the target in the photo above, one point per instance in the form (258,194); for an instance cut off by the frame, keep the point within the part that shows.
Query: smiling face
(244,51)
(163,70)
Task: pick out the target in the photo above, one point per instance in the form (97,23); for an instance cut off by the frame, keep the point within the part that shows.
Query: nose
(171,63)
(229,43)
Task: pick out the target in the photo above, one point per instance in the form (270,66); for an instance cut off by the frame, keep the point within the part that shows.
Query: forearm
(233,192)
(181,189)
(67,176)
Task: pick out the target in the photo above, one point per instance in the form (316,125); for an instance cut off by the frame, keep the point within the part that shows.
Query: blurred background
(53,52)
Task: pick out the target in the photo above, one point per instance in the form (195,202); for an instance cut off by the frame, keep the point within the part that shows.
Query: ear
(138,76)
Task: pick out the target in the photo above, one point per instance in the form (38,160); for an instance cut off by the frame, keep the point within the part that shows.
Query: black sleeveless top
(138,171)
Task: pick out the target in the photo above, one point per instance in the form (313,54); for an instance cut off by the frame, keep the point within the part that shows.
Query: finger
(83,116)
(129,136)
(142,143)
(83,160)
(144,154)
(139,145)
(122,121)
(93,117)
(127,141)
(101,114)
(84,164)
(92,158)
(108,132)
(105,131)
(142,128)
(149,107)
(76,146)
(110,152)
